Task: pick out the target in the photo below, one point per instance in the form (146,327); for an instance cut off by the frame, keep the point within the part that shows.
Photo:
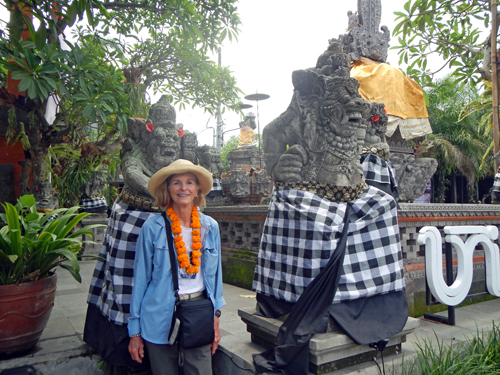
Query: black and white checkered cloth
(111,284)
(496,182)
(378,170)
(301,232)
(217,189)
(94,204)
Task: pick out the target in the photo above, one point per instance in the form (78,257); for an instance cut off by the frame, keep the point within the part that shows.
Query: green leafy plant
(33,244)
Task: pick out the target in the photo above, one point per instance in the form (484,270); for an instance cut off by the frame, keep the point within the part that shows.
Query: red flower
(375,118)
(181,132)
(150,127)
(37,188)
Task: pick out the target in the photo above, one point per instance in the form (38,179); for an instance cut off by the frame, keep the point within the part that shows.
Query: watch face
(218,313)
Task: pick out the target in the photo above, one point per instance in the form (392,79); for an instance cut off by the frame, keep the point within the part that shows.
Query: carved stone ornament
(240,182)
(320,136)
(46,197)
(363,38)
(376,127)
(412,174)
(209,158)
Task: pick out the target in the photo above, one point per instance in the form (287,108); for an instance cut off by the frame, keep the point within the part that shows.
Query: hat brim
(181,166)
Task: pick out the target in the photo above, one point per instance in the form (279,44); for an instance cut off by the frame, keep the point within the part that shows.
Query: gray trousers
(165,359)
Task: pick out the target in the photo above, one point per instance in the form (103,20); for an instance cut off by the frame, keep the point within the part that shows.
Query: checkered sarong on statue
(111,284)
(378,170)
(94,203)
(496,182)
(301,232)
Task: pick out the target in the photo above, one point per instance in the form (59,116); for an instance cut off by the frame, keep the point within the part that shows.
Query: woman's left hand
(215,344)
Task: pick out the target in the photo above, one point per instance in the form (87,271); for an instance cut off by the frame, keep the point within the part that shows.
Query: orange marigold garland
(193,265)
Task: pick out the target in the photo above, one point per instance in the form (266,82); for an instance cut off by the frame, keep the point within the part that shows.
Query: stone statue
(151,145)
(377,169)
(240,182)
(412,174)
(312,152)
(189,143)
(316,138)
(92,199)
(46,197)
(247,128)
(495,190)
(209,158)
(376,127)
(363,38)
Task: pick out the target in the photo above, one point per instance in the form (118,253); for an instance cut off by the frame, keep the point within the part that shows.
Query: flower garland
(193,265)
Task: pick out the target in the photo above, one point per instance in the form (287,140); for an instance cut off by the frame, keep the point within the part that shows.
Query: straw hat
(181,166)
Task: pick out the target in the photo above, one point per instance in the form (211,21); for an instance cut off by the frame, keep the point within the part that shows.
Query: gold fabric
(246,136)
(339,194)
(383,83)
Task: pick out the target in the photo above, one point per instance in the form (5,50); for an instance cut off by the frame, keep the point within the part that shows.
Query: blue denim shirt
(153,292)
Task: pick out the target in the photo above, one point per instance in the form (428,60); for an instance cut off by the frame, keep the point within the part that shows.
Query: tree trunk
(39,152)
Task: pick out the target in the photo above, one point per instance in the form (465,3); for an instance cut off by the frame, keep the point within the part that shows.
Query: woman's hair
(163,198)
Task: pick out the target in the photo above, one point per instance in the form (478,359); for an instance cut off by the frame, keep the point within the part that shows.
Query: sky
(277,37)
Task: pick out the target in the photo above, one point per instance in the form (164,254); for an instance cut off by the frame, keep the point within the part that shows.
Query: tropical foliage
(456,31)
(100,81)
(479,354)
(33,244)
(458,143)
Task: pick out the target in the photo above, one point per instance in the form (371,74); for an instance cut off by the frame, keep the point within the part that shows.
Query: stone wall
(241,229)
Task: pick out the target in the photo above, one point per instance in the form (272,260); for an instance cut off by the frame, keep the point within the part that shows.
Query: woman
(178,188)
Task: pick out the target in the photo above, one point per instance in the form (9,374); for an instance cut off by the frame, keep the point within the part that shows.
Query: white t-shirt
(189,283)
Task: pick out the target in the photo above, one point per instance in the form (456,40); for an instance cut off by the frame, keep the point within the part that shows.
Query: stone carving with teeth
(152,144)
(317,137)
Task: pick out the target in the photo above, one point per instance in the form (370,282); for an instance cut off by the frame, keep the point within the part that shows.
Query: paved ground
(61,346)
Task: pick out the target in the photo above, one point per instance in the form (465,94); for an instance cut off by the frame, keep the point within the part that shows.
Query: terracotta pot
(24,312)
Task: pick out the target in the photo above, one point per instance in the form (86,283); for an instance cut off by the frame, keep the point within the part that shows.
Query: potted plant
(32,245)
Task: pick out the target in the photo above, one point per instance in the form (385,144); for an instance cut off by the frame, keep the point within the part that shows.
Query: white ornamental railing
(455,293)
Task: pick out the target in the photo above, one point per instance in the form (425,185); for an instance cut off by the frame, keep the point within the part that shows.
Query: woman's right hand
(136,348)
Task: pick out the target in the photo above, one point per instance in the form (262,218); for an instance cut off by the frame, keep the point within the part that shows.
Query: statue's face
(45,197)
(342,107)
(239,182)
(164,148)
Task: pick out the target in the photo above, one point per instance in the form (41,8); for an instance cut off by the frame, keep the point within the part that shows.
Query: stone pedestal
(97,233)
(247,156)
(329,351)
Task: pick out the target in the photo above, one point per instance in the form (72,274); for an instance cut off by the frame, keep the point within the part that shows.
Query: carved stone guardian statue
(46,198)
(150,146)
(92,199)
(312,152)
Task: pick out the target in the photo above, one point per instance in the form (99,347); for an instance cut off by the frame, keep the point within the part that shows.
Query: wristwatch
(218,313)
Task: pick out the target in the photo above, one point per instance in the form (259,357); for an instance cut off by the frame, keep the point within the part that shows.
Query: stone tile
(58,327)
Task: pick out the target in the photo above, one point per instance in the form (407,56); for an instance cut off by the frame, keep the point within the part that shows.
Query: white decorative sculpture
(454,294)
